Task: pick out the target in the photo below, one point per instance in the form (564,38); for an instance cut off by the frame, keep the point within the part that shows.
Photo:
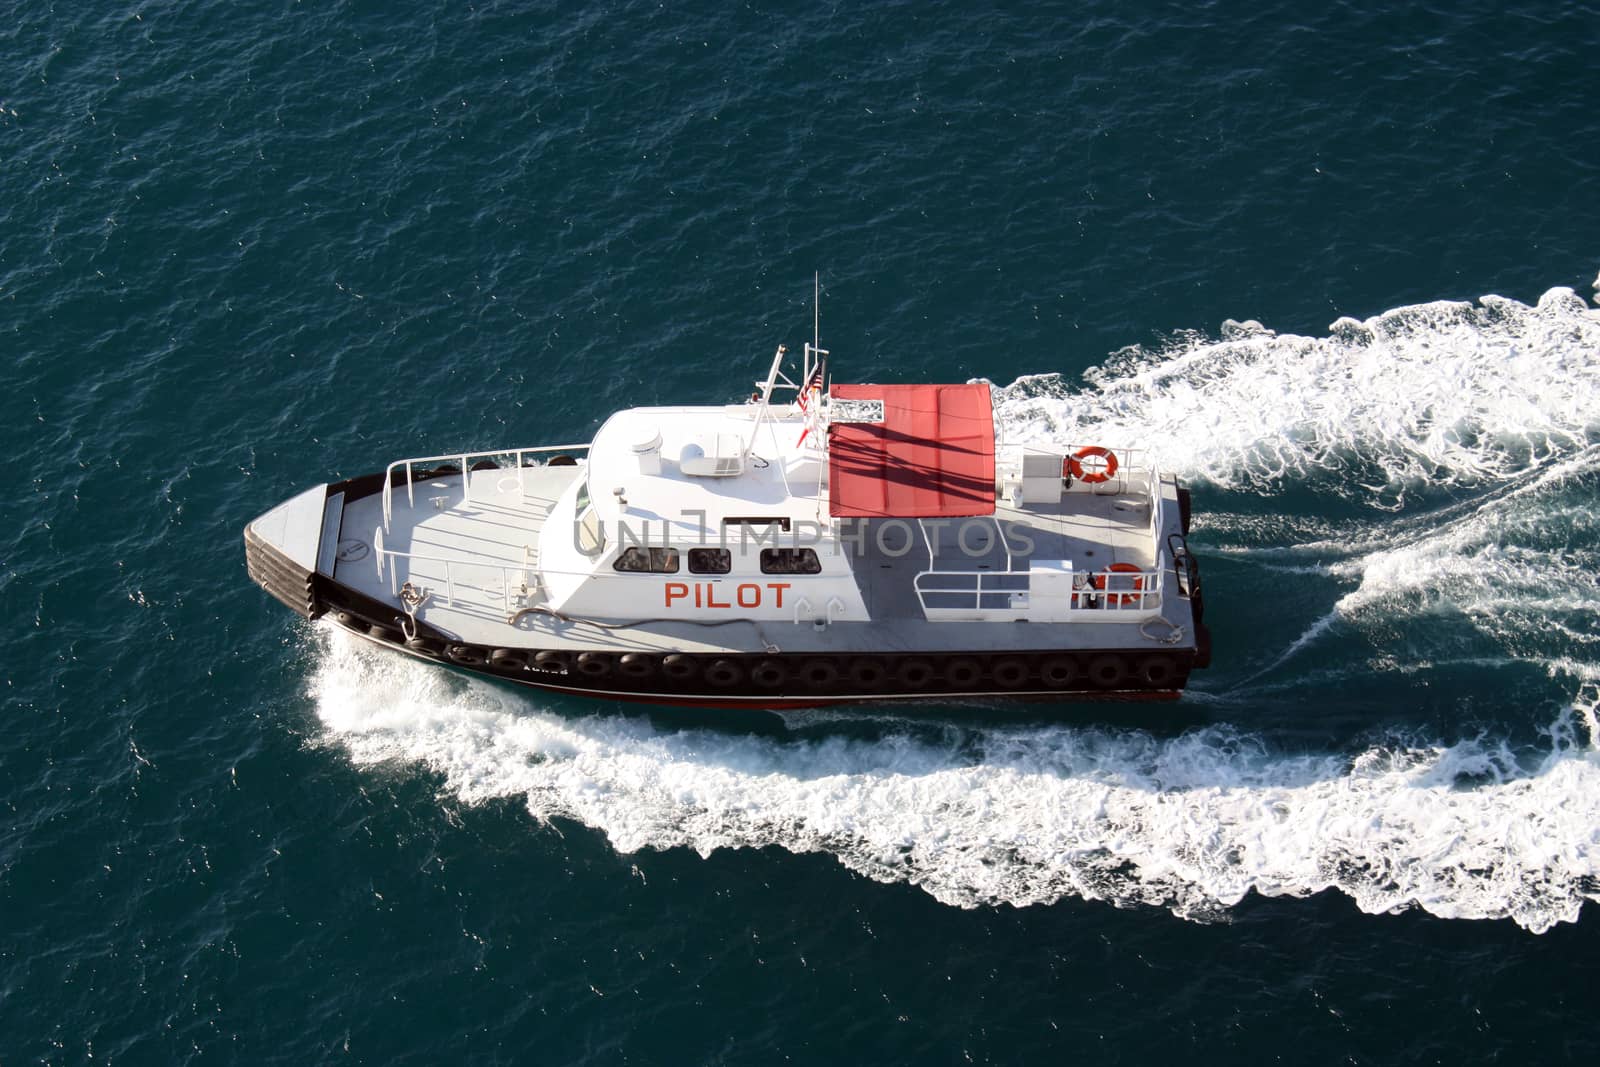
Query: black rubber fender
(915,673)
(1010,672)
(1108,670)
(638,665)
(551,660)
(769,674)
(1059,672)
(819,673)
(724,673)
(507,659)
(680,667)
(868,673)
(963,672)
(1158,670)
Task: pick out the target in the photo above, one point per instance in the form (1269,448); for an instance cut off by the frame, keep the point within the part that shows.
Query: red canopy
(931,456)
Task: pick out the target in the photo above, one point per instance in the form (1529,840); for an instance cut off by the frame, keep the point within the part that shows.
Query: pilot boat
(817,543)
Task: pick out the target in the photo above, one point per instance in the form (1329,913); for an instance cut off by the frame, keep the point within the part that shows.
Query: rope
(1174,631)
(411,599)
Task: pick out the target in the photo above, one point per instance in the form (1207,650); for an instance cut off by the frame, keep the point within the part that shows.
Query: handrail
(463,458)
(507,570)
(1130,459)
(1086,604)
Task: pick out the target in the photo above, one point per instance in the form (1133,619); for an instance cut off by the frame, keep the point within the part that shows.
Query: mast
(814,369)
(764,388)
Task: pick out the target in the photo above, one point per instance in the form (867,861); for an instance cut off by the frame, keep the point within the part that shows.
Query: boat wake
(1517,566)
(1025,815)
(1444,394)
(1496,403)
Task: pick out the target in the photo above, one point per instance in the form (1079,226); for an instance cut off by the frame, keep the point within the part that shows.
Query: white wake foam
(1442,393)
(1531,551)
(1026,815)
(1519,564)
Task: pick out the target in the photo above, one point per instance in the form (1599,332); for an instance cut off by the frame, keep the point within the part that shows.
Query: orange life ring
(1093,477)
(1123,599)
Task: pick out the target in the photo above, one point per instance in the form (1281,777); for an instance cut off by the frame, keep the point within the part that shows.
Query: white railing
(965,596)
(464,461)
(1134,470)
(518,581)
(968,590)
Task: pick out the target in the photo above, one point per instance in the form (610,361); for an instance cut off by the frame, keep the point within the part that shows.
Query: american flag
(813,382)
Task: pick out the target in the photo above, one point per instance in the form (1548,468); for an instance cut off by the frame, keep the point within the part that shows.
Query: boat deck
(465,549)
(1091,531)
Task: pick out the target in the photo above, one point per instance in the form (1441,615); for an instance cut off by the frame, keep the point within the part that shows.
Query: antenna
(816,355)
(814,373)
(816,309)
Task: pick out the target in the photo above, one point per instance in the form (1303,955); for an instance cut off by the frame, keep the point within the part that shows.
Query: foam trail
(1021,816)
(1439,394)
(1517,563)
(1312,632)
(1520,566)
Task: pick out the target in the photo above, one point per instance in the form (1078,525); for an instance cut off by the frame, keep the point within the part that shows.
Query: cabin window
(710,561)
(790,561)
(648,561)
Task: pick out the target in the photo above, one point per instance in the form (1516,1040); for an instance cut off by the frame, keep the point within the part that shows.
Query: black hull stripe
(755,699)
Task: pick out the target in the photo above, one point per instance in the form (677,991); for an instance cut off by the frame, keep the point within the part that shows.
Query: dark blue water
(248,248)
